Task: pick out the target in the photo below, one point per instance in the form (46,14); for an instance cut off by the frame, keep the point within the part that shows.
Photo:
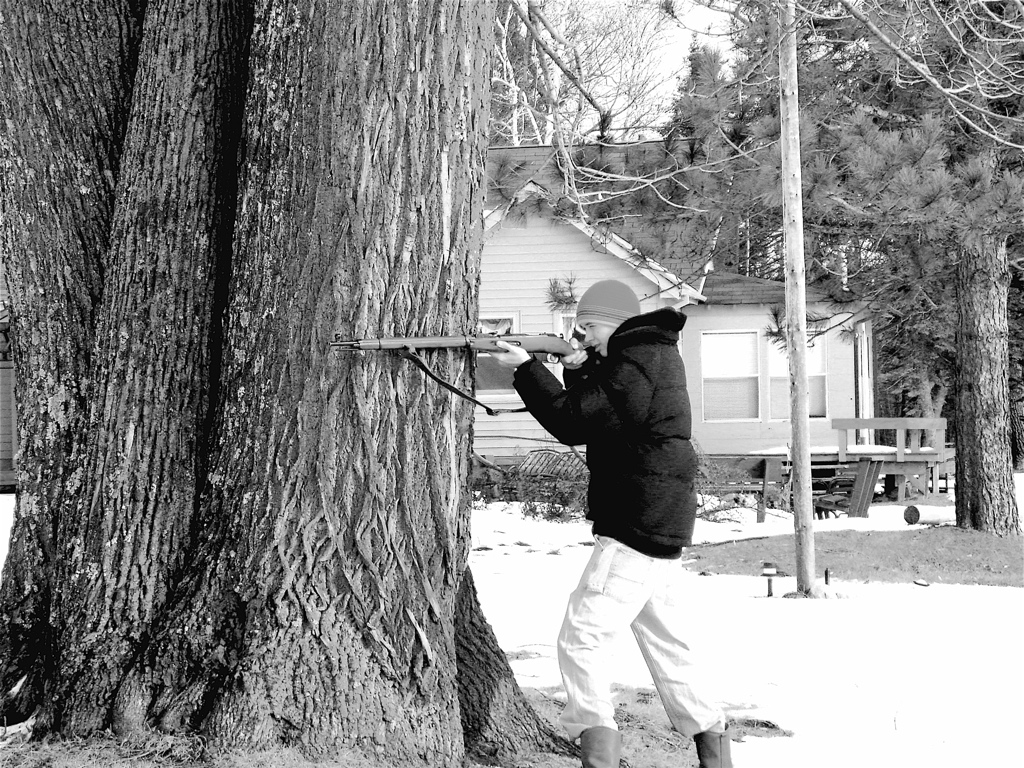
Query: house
(530,256)
(738,371)
(536,259)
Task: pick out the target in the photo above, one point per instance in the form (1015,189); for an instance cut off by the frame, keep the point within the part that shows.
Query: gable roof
(602,240)
(681,241)
(669,285)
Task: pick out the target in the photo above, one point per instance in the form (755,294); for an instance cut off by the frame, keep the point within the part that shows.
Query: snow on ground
(891,677)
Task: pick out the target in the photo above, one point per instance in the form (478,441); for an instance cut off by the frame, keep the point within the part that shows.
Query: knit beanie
(607,301)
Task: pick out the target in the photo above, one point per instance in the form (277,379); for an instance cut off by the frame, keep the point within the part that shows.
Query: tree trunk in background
(259,538)
(66,71)
(1015,313)
(1017,421)
(985,496)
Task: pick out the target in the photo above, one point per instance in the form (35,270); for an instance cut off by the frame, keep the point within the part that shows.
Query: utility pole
(796,298)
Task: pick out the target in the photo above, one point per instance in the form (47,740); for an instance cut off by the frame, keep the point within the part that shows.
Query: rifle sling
(410,354)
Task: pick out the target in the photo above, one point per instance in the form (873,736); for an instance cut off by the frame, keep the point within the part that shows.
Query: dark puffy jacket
(632,411)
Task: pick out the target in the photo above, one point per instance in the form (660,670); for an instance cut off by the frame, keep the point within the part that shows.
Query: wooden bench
(746,474)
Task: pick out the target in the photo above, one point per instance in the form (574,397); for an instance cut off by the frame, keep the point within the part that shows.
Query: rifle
(535,343)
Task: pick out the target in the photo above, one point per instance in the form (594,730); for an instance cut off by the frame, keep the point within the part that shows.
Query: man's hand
(510,357)
(575,359)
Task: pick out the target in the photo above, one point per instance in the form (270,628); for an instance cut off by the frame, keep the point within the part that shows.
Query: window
(778,371)
(565,326)
(730,370)
(490,376)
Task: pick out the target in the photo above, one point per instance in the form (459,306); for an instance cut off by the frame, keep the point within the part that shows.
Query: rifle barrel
(533,343)
(423,342)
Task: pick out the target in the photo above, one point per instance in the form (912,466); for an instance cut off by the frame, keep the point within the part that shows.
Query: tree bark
(497,722)
(985,495)
(1015,314)
(65,80)
(343,483)
(223,525)
(1017,421)
(170,240)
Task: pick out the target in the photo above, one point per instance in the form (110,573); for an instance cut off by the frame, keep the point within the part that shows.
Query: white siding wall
(746,436)
(520,257)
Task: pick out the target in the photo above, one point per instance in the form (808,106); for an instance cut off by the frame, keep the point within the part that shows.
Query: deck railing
(909,433)
(913,462)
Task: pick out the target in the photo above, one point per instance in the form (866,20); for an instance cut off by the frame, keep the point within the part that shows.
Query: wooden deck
(907,466)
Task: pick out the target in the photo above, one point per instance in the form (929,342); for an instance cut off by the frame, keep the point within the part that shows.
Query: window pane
(816,356)
(567,326)
(779,398)
(499,325)
(490,375)
(816,397)
(730,399)
(816,400)
(778,358)
(728,354)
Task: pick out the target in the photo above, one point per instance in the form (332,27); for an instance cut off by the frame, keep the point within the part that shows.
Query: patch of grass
(940,555)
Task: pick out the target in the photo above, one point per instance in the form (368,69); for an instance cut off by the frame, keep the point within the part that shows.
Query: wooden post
(796,298)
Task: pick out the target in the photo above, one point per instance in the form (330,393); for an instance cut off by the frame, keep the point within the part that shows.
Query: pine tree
(904,197)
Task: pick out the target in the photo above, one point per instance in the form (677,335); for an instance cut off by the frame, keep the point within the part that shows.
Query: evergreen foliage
(896,188)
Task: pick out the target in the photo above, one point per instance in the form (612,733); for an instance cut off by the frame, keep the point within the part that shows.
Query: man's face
(596,334)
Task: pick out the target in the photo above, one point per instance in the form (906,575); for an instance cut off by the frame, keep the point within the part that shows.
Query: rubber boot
(600,747)
(713,750)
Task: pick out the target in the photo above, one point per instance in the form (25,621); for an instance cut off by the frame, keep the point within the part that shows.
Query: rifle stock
(534,343)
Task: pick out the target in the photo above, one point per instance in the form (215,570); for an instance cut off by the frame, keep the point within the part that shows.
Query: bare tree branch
(962,105)
(553,56)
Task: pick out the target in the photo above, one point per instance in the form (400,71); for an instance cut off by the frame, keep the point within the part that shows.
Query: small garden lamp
(769,571)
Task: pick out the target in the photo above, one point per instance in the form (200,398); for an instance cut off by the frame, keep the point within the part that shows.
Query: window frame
(756,376)
(821,339)
(509,394)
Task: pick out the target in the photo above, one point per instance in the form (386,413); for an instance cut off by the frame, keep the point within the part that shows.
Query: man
(625,398)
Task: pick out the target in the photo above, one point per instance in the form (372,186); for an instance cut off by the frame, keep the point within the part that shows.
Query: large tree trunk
(497,722)
(224,525)
(121,550)
(65,80)
(985,495)
(343,481)
(1017,419)
(1015,313)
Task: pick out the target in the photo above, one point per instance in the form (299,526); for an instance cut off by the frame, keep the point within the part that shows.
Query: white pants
(621,588)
